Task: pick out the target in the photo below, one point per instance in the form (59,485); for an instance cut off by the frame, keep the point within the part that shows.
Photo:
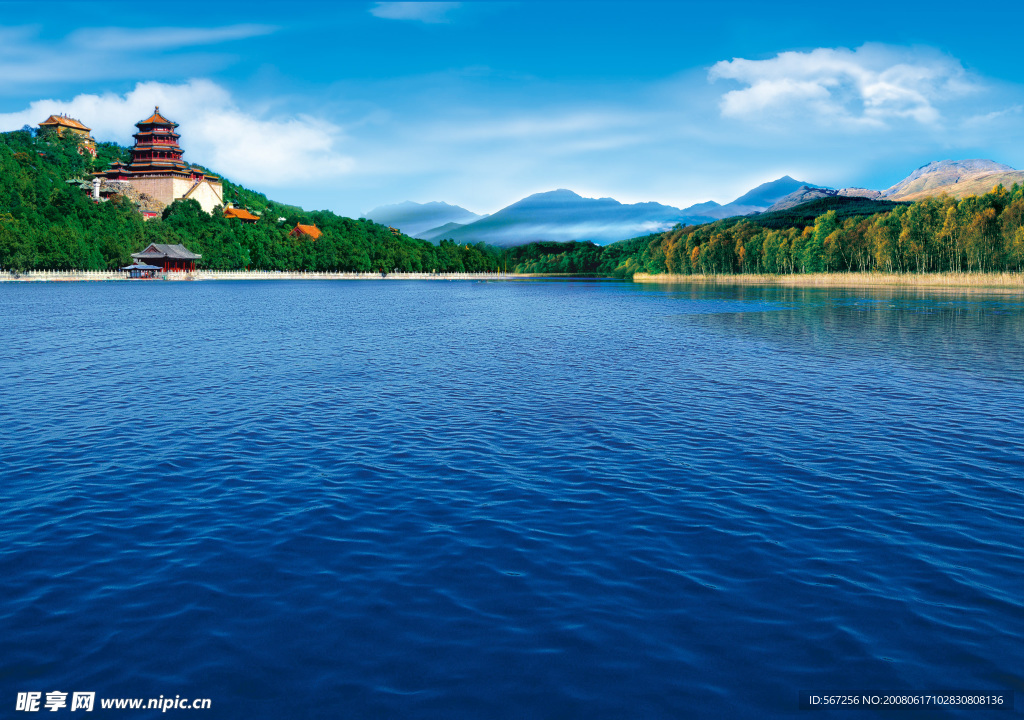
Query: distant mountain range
(562,215)
(415,219)
(757,200)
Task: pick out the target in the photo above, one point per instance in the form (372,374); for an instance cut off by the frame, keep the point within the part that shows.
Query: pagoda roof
(158,250)
(158,164)
(156,119)
(64,121)
(157,147)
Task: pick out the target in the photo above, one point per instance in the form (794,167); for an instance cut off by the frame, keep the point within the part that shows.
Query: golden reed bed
(994,282)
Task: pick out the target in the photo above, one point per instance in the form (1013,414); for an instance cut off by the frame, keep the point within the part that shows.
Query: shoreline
(208,275)
(1001,282)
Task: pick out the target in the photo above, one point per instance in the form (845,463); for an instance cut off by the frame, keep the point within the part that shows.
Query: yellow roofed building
(62,124)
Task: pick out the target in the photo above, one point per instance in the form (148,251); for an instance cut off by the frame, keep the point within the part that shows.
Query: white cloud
(482,139)
(987,120)
(100,53)
(246,147)
(426,12)
(125,39)
(871,86)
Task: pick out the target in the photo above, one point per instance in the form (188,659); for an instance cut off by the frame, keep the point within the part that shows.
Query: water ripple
(450,500)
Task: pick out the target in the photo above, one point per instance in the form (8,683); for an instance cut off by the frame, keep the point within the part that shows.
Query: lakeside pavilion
(140,271)
(172,258)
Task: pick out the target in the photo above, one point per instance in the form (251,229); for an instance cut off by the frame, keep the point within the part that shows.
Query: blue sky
(352,105)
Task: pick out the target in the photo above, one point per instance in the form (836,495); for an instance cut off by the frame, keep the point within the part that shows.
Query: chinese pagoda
(156,167)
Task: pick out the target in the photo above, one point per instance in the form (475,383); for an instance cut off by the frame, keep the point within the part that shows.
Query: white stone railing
(97,275)
(58,275)
(302,275)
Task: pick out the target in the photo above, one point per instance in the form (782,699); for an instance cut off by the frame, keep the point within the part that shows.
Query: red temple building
(156,167)
(172,258)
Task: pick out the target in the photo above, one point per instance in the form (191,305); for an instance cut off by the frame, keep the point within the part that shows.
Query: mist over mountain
(440,233)
(414,218)
(563,216)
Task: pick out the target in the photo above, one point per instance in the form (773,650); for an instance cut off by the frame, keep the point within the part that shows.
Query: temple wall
(209,195)
(168,189)
(162,189)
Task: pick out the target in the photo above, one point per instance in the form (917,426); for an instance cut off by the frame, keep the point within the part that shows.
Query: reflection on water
(936,330)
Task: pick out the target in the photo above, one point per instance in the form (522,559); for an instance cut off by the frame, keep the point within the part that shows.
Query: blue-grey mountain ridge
(563,216)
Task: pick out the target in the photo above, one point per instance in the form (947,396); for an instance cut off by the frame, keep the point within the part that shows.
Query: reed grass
(1001,281)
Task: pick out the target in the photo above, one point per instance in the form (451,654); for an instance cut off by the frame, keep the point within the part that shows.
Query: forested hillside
(977,234)
(48,223)
(578,258)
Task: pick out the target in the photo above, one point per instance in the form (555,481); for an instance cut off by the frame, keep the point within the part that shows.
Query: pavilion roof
(312,230)
(158,250)
(239,213)
(64,121)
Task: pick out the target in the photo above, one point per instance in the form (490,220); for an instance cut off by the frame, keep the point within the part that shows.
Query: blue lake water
(586,499)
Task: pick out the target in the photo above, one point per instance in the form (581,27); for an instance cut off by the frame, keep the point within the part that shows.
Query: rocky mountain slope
(957,178)
(808,193)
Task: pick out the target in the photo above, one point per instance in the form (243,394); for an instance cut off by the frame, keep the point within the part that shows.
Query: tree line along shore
(999,282)
(49,223)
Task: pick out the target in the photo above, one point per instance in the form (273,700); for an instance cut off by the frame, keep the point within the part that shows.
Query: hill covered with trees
(983,233)
(48,222)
